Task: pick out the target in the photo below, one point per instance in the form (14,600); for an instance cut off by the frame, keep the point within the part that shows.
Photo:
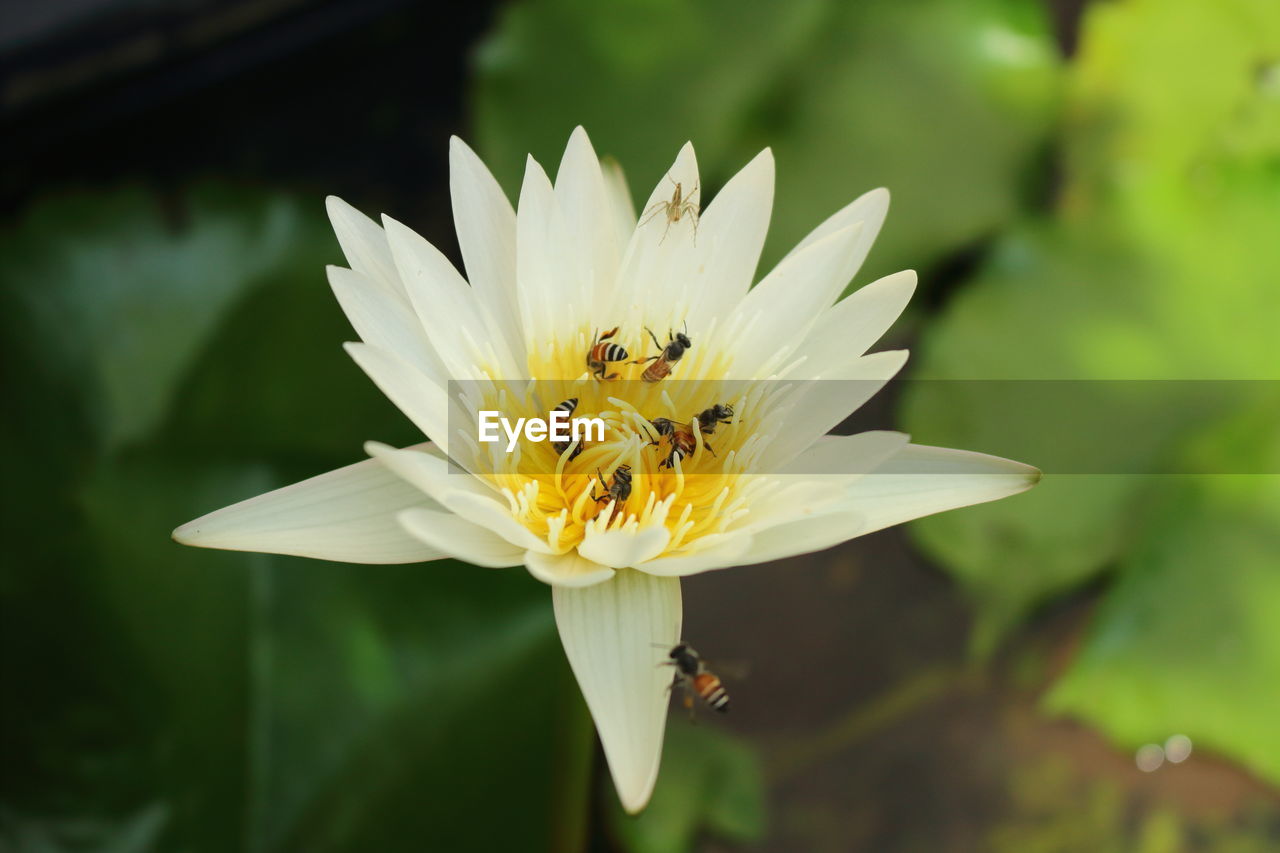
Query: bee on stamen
(568,407)
(667,356)
(692,673)
(677,208)
(683,441)
(618,491)
(709,419)
(601,354)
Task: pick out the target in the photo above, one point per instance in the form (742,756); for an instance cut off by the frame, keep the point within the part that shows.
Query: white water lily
(542,282)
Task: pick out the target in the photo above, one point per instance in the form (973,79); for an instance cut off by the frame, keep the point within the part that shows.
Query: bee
(709,419)
(683,441)
(677,208)
(619,490)
(601,354)
(568,407)
(692,672)
(667,356)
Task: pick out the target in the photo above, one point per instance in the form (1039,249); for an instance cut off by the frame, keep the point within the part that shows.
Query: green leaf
(1186,642)
(710,783)
(943,101)
(122,289)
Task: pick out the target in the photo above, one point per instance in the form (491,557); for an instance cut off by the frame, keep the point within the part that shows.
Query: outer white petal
(921,480)
(622,210)
(383,318)
(348,515)
(804,536)
(869,210)
(593,241)
(730,238)
(781,308)
(363,243)
(609,631)
(848,454)
(460,538)
(853,325)
(726,553)
(569,569)
(549,281)
(486,226)
(422,400)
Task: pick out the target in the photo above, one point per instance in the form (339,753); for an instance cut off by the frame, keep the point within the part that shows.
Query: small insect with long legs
(619,490)
(568,407)
(680,207)
(708,419)
(667,356)
(601,354)
(683,441)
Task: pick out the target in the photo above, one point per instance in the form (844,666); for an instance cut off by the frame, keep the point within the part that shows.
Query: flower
(546,283)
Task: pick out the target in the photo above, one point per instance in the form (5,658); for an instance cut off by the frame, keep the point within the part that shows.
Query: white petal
(570,569)
(731,236)
(622,210)
(921,480)
(363,243)
(804,536)
(726,553)
(853,325)
(460,538)
(609,631)
(383,318)
(869,209)
(549,282)
(486,226)
(464,335)
(822,404)
(848,454)
(625,547)
(422,400)
(593,242)
(781,308)
(348,515)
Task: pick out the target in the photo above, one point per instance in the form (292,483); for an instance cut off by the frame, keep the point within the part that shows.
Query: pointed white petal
(570,569)
(854,324)
(608,631)
(593,243)
(348,515)
(731,236)
(726,553)
(921,480)
(804,536)
(363,243)
(869,210)
(466,338)
(460,538)
(549,281)
(780,309)
(384,319)
(422,400)
(486,226)
(848,454)
(626,547)
(622,210)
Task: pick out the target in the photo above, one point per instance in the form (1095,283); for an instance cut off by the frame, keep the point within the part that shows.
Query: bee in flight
(677,208)
(683,441)
(667,355)
(568,407)
(619,490)
(692,673)
(602,354)
(709,419)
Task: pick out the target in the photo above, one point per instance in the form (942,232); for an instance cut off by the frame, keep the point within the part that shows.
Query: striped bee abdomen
(712,691)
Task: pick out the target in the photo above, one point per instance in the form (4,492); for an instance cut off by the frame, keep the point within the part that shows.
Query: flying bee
(709,419)
(619,490)
(568,407)
(602,354)
(667,355)
(677,208)
(692,673)
(683,441)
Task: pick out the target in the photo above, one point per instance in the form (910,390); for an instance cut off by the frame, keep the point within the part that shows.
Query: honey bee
(667,356)
(683,441)
(568,407)
(709,419)
(619,490)
(692,672)
(601,354)
(677,208)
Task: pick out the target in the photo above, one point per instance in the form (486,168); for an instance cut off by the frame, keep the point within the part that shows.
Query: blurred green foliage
(1159,261)
(947,102)
(169,356)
